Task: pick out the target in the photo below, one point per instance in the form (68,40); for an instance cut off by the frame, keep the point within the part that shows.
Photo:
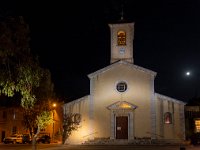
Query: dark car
(44,139)
(26,138)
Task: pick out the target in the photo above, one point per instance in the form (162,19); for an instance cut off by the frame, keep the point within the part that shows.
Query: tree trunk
(64,136)
(34,142)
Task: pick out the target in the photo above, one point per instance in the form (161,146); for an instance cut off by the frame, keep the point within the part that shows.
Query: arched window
(168,118)
(121,38)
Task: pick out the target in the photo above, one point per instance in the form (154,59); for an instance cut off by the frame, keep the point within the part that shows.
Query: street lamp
(54,106)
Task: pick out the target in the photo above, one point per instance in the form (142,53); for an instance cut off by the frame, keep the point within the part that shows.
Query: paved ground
(124,147)
(92,147)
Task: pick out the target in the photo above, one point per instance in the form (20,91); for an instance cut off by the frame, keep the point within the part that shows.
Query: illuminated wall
(176,128)
(145,113)
(138,93)
(84,132)
(197,125)
(13,119)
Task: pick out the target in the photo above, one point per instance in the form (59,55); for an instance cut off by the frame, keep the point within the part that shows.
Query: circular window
(121,87)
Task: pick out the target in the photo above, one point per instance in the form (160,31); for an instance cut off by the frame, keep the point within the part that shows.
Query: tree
(42,121)
(44,94)
(38,117)
(20,71)
(69,125)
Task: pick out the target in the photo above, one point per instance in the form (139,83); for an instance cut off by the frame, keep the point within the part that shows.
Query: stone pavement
(54,146)
(119,147)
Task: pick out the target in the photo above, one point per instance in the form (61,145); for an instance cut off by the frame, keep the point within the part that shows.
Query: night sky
(72,40)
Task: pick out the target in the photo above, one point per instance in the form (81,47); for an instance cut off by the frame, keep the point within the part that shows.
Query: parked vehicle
(44,139)
(26,138)
(15,138)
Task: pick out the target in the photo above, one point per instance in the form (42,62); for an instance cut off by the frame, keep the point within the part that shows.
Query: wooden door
(122,127)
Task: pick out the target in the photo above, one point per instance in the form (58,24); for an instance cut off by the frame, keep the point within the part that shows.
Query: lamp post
(54,106)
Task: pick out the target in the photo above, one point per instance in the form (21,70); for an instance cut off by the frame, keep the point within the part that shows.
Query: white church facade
(122,103)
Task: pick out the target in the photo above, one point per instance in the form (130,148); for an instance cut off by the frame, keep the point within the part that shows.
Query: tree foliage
(21,73)
(69,125)
(30,120)
(44,119)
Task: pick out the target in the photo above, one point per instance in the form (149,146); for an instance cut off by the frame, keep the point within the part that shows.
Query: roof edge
(170,98)
(91,75)
(77,100)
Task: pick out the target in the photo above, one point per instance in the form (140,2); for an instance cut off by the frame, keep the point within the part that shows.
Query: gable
(125,64)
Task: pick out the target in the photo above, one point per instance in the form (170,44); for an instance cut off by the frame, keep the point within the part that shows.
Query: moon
(188,73)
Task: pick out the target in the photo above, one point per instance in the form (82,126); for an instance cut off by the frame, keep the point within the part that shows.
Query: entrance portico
(122,120)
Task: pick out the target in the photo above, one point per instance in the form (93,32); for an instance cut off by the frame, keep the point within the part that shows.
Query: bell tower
(122,35)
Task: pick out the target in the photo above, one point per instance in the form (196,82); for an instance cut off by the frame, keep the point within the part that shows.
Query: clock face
(122,50)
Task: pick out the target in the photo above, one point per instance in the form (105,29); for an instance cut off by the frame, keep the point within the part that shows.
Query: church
(122,104)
